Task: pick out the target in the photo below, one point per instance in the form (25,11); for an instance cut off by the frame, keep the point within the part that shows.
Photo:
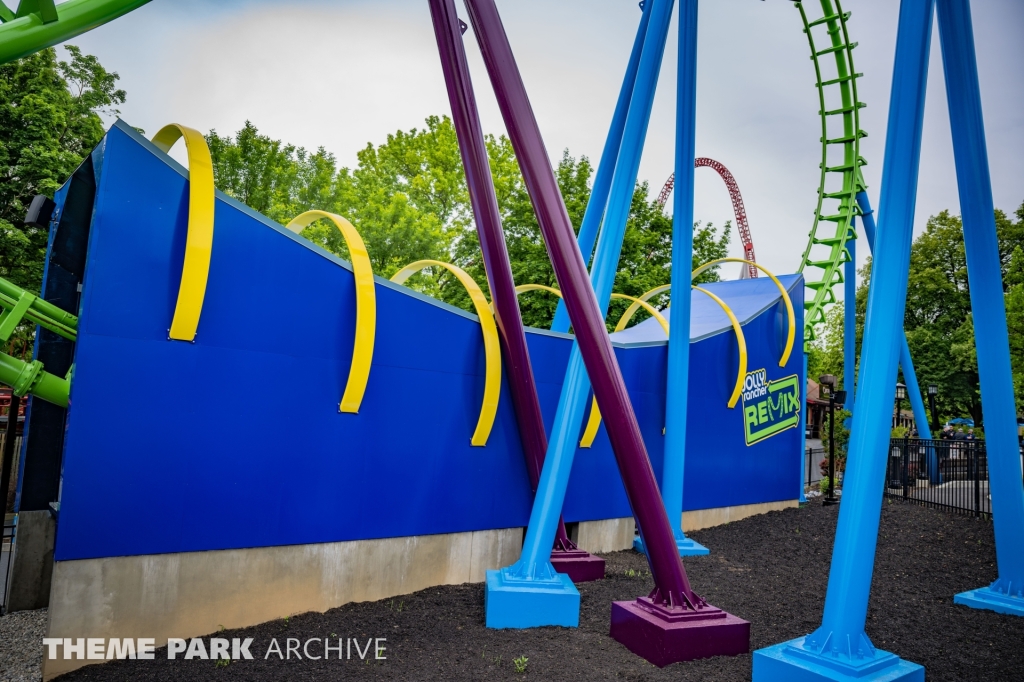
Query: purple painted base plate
(665,636)
(580,566)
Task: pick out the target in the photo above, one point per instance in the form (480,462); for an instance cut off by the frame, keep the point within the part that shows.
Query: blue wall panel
(236,440)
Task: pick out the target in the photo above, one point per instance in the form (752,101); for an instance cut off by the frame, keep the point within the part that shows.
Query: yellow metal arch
(195,271)
(366,305)
(790,316)
(594,421)
(740,339)
(523,288)
(492,349)
(639,303)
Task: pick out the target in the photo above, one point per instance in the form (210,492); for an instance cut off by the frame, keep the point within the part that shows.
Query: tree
(938,319)
(49,121)
(826,352)
(408,199)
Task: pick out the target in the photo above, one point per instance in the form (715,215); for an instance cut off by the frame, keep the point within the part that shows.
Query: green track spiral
(826,252)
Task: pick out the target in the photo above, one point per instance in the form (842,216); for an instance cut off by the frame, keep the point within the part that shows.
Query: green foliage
(826,352)
(408,199)
(899,432)
(520,664)
(823,485)
(938,320)
(49,121)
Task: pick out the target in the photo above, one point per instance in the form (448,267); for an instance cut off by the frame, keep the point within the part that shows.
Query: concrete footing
(530,603)
(196,593)
(791,662)
(990,599)
(664,635)
(31,562)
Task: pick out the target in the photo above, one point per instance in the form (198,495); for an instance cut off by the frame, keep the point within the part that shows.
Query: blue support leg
(609,156)
(1005,595)
(840,649)
(529,593)
(850,323)
(682,255)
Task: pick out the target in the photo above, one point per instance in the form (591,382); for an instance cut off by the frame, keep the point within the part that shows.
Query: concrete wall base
(32,562)
(195,593)
(614,535)
(706,518)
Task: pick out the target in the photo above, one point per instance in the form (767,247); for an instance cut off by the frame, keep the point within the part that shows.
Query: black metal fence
(946,474)
(812,466)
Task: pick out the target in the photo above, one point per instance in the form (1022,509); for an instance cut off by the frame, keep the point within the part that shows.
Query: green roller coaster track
(826,252)
(38,24)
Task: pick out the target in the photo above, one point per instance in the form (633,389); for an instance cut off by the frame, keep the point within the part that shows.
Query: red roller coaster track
(737,205)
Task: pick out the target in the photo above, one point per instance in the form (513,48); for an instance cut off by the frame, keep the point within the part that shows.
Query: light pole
(901,393)
(828,382)
(933,391)
(933,458)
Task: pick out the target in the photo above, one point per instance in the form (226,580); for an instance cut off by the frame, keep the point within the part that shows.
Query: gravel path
(771,570)
(21,646)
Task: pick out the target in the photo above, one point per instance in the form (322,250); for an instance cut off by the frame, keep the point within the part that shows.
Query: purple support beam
(664,626)
(566,558)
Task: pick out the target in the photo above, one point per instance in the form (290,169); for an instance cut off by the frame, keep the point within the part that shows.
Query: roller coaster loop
(826,250)
(742,226)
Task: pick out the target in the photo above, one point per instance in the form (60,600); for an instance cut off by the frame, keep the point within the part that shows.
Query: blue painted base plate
(790,662)
(511,603)
(686,546)
(991,600)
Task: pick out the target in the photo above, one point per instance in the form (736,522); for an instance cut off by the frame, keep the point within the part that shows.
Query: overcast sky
(341,73)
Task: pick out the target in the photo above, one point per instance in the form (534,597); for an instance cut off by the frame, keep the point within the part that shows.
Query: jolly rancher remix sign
(769,407)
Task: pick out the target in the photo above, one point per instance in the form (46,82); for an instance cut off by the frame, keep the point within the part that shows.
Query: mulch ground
(771,570)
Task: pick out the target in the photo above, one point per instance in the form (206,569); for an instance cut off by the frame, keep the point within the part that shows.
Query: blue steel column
(673,468)
(603,179)
(850,323)
(840,648)
(1005,595)
(526,594)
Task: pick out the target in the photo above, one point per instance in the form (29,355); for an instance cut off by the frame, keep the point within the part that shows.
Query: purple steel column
(672,587)
(580,565)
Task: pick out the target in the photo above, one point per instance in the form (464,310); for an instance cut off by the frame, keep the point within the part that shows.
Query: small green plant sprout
(520,664)
(222,663)
(221,628)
